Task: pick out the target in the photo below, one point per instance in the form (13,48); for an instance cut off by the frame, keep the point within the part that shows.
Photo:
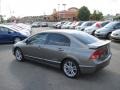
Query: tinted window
(38,39)
(85,38)
(110,25)
(58,39)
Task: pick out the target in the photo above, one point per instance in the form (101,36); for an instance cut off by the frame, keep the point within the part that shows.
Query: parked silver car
(115,35)
(106,31)
(72,51)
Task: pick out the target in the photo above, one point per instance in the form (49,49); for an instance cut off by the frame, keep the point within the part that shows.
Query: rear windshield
(110,25)
(85,38)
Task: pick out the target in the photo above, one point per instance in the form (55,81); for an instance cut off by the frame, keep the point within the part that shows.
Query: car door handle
(60,49)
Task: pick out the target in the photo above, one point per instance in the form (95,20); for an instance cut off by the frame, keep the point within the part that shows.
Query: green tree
(1,19)
(97,15)
(83,13)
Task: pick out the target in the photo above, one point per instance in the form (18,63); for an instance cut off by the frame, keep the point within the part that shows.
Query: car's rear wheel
(19,55)
(16,39)
(93,33)
(71,68)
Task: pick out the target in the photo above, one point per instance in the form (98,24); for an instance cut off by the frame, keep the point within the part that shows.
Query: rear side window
(4,30)
(58,39)
(85,38)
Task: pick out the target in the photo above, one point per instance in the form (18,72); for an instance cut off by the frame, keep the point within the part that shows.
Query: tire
(16,39)
(93,33)
(19,55)
(71,68)
(108,36)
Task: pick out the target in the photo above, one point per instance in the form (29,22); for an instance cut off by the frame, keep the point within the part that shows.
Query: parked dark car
(69,50)
(106,31)
(9,35)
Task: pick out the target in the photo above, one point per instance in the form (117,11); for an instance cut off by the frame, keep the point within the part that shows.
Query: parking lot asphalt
(33,76)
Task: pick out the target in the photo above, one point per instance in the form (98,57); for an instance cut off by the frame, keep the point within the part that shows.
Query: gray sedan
(72,51)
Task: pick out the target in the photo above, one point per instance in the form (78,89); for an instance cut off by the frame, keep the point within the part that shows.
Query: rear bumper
(97,67)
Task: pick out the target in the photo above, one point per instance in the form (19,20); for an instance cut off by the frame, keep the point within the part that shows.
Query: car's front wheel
(18,54)
(71,68)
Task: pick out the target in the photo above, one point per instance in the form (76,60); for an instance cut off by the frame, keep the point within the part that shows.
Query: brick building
(70,14)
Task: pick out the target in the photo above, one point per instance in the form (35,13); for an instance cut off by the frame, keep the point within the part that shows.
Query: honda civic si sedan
(72,51)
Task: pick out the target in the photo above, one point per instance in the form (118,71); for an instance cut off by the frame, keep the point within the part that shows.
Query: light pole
(64,5)
(58,12)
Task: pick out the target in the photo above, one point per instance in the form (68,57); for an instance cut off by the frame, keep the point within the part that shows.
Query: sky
(21,8)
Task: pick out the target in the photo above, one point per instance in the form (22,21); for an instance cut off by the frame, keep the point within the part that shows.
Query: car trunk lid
(102,50)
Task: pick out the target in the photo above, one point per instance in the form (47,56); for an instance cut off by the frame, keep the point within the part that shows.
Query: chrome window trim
(43,59)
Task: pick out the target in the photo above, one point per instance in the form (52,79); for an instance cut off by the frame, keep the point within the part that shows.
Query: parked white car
(72,26)
(66,25)
(84,25)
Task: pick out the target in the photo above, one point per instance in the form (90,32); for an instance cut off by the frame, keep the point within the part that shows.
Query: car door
(35,46)
(5,35)
(56,47)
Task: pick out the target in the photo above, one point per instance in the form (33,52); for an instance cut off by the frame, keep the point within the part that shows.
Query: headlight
(101,32)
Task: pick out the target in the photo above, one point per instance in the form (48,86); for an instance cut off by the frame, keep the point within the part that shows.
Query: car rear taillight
(98,25)
(96,55)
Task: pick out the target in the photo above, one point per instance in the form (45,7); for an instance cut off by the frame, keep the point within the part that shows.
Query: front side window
(38,39)
(58,39)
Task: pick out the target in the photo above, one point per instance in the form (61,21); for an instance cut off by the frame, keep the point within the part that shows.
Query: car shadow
(19,66)
(32,72)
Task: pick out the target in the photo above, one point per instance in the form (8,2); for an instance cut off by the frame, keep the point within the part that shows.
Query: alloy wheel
(18,55)
(70,69)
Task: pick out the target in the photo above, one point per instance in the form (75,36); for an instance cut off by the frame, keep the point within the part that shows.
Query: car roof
(63,31)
